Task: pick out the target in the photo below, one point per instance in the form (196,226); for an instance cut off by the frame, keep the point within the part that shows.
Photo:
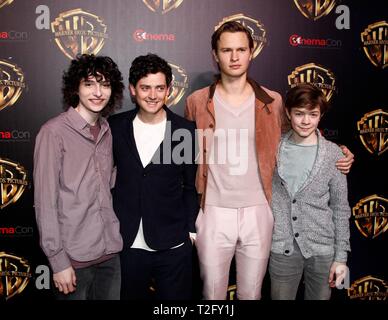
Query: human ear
(215,56)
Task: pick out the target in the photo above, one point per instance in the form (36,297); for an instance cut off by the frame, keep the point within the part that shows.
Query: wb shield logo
(78,32)
(13,181)
(254,26)
(14,275)
(315,74)
(375,43)
(371,216)
(368,288)
(5,2)
(11,83)
(373,130)
(179,85)
(162,6)
(315,9)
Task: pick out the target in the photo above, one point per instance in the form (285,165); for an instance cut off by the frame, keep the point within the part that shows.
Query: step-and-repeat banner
(341,46)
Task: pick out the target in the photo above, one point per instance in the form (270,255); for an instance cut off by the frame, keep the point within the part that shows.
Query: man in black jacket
(154,197)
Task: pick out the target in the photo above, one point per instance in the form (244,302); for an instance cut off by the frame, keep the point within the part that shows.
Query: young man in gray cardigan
(309,204)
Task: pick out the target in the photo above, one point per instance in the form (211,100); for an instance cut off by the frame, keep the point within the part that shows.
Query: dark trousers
(163,275)
(286,273)
(98,282)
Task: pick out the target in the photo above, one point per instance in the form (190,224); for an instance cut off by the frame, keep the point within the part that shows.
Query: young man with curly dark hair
(73,175)
(154,197)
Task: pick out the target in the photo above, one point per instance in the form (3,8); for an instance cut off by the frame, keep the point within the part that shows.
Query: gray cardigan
(317,217)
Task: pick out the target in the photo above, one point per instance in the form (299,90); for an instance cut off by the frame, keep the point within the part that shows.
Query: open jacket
(317,216)
(269,119)
(162,194)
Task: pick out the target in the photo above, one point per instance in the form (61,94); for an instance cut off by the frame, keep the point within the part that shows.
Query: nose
(152,94)
(97,90)
(306,119)
(234,56)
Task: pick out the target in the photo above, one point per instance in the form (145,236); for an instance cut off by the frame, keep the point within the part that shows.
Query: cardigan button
(211,125)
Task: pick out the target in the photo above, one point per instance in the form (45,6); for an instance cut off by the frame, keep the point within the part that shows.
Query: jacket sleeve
(189,110)
(341,211)
(189,189)
(47,163)
(285,123)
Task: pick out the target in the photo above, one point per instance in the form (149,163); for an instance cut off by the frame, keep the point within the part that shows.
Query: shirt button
(204,150)
(144,174)
(293,201)
(296,235)
(287,251)
(211,125)
(294,218)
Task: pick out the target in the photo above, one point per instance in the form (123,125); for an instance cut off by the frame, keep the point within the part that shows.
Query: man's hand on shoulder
(344,164)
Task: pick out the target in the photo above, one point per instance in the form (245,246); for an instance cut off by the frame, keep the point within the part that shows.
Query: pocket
(199,219)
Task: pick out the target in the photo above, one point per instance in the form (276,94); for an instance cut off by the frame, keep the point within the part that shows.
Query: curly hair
(84,66)
(150,63)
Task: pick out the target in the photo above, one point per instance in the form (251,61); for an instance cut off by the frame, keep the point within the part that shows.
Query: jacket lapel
(129,136)
(163,153)
(319,160)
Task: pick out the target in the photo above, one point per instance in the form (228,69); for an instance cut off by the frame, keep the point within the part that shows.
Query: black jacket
(163,195)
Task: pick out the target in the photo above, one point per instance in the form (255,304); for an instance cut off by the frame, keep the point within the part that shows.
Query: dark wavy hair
(306,95)
(231,26)
(150,63)
(84,66)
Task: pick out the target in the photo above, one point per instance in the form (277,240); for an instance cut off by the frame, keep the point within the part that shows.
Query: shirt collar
(80,123)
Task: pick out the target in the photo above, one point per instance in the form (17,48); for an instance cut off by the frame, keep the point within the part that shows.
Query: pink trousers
(222,233)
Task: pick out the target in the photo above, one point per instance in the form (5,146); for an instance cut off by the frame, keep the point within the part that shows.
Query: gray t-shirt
(297,162)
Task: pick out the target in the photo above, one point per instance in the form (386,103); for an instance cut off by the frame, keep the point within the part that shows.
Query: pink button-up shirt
(73,175)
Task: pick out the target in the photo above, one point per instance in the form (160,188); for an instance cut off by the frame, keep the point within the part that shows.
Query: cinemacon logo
(13,35)
(14,135)
(18,230)
(141,35)
(297,40)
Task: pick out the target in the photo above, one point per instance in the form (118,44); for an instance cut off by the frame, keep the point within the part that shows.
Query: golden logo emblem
(77,32)
(371,216)
(11,83)
(162,6)
(14,275)
(375,42)
(5,2)
(317,75)
(254,26)
(13,181)
(368,288)
(315,9)
(231,293)
(373,129)
(180,83)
